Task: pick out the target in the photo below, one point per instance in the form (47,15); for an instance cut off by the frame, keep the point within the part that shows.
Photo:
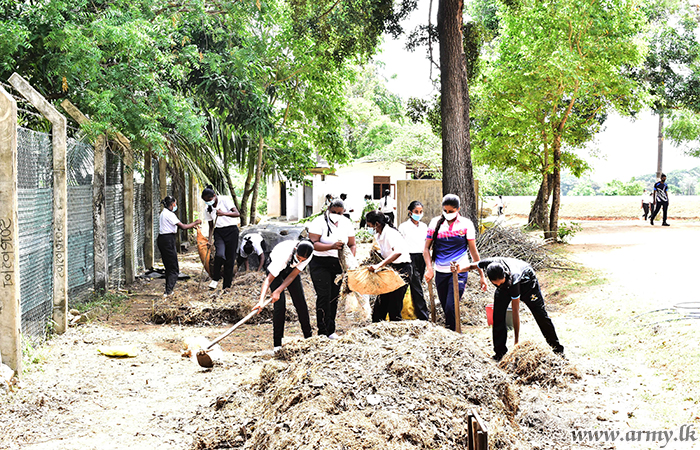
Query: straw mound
(195,307)
(534,363)
(400,385)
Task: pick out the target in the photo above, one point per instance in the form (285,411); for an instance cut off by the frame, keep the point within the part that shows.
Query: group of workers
(416,251)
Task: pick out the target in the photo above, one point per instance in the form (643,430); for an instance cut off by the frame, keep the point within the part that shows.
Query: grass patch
(33,355)
(560,285)
(106,302)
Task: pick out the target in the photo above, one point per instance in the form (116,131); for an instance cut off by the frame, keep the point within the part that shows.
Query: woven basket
(365,282)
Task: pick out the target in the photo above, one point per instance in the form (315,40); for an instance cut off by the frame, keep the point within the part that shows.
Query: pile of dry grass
(392,385)
(511,242)
(193,306)
(534,363)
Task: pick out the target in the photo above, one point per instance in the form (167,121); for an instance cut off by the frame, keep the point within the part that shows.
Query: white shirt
(343,231)
(414,235)
(390,204)
(255,239)
(280,256)
(391,241)
(224,203)
(647,198)
(168,222)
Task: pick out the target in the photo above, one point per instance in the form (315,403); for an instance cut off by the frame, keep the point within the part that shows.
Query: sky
(625,148)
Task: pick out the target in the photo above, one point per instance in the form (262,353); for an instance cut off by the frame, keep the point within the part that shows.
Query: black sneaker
(665,224)
(651,221)
(497,357)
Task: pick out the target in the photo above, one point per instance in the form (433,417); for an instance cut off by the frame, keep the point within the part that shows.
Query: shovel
(203,357)
(432,301)
(455,288)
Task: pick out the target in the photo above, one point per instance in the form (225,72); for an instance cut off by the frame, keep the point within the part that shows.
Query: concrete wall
(428,192)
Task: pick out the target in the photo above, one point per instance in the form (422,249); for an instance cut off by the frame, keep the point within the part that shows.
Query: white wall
(356,180)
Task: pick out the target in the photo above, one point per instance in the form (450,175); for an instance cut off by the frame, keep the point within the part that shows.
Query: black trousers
(660,205)
(645,207)
(531,295)
(445,291)
(226,243)
(417,295)
(392,302)
(296,291)
(324,270)
(168,251)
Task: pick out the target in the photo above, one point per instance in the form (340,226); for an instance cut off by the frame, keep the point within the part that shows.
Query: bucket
(509,316)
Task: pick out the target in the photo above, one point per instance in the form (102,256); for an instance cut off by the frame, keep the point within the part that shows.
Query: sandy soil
(76,398)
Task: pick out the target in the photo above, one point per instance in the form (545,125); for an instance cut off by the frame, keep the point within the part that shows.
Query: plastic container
(509,316)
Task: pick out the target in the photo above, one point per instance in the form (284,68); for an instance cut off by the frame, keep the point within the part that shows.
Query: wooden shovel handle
(238,324)
(431,293)
(455,288)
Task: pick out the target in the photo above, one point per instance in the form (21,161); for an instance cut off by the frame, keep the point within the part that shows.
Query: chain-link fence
(35,220)
(35,201)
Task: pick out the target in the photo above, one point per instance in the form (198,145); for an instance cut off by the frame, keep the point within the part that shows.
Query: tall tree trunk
(659,161)
(247,190)
(454,107)
(551,233)
(256,185)
(539,213)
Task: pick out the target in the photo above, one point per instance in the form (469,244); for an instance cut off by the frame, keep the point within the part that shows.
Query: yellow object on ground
(121,351)
(408,313)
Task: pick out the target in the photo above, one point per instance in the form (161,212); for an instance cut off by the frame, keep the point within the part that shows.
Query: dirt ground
(638,373)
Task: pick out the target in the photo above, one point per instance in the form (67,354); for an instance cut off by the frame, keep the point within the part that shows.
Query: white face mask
(334,217)
(174,208)
(449,216)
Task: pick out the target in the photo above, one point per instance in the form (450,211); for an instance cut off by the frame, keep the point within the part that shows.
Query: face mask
(417,217)
(334,217)
(209,203)
(174,208)
(449,216)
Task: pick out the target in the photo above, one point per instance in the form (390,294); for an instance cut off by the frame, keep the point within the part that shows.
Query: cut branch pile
(509,242)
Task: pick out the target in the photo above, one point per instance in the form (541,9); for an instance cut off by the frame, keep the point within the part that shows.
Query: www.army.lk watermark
(686,433)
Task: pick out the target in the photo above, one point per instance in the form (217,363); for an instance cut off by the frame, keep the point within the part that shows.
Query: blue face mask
(174,208)
(417,217)
(210,202)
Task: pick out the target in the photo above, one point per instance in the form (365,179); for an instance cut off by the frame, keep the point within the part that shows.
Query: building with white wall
(293,202)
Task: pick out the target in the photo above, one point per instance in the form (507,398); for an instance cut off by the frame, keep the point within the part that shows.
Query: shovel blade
(203,359)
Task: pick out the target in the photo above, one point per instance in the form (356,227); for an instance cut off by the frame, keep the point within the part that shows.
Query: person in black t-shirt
(660,200)
(515,280)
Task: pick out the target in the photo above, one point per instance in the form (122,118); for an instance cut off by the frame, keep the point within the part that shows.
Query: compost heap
(193,305)
(391,385)
(535,363)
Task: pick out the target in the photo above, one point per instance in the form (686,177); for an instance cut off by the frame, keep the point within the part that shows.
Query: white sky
(625,148)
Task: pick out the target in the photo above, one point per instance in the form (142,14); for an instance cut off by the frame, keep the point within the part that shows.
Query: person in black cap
(515,280)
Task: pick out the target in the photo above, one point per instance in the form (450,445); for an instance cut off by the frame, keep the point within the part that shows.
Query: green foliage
(107,301)
(684,131)
(418,148)
(566,231)
(364,236)
(616,187)
(505,182)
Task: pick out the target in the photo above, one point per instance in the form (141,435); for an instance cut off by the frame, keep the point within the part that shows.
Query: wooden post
(128,174)
(60,199)
(10,309)
(99,217)
(455,288)
(162,177)
(191,199)
(148,213)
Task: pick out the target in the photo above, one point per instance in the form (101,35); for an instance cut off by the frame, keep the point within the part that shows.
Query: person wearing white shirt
(288,259)
(387,205)
(415,231)
(329,232)
(251,242)
(394,250)
(223,228)
(167,237)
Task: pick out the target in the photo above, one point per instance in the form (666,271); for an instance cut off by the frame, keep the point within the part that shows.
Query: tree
(457,173)
(558,68)
(671,71)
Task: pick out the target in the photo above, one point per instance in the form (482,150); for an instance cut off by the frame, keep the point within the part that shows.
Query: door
(308,201)
(283,198)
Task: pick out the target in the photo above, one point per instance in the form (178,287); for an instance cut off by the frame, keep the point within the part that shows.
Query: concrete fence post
(10,310)
(99,217)
(60,199)
(128,172)
(148,210)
